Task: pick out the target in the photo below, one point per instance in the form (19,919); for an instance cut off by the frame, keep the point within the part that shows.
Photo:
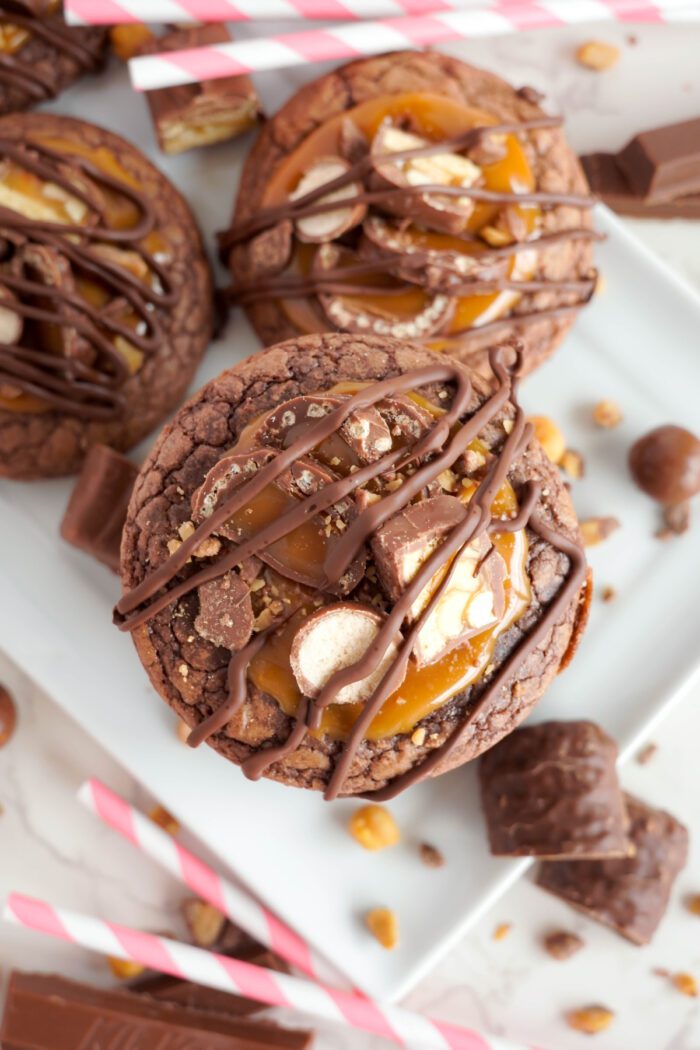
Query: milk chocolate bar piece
(663,163)
(192,115)
(630,895)
(607,182)
(46,1012)
(551,790)
(96,511)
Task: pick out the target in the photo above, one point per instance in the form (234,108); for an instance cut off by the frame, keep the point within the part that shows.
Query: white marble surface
(48,846)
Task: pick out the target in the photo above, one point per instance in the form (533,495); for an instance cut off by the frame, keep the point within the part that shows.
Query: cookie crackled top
(415,196)
(348,565)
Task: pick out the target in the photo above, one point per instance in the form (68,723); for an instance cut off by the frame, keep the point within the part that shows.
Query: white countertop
(51,848)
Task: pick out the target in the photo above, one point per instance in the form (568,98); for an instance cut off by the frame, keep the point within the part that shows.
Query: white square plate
(638,345)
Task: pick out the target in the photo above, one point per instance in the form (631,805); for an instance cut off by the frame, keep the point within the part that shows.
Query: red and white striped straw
(242,978)
(233,901)
(112,12)
(343,42)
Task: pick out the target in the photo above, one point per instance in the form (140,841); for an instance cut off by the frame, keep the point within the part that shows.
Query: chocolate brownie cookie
(348,566)
(105,294)
(414,196)
(40,55)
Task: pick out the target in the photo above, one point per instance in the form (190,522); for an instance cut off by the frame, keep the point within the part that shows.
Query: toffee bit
(383,924)
(8,716)
(595,530)
(597,55)
(502,931)
(160,816)
(590,1019)
(607,414)
(676,520)
(608,593)
(561,944)
(431,856)
(645,755)
(573,464)
(693,904)
(686,984)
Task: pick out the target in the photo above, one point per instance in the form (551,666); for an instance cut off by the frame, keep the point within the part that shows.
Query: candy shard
(335,637)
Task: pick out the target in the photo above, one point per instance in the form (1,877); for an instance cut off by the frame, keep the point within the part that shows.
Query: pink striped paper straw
(233,901)
(149,72)
(111,12)
(255,982)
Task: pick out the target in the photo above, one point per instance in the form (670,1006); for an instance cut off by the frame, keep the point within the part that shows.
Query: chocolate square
(96,511)
(551,790)
(630,895)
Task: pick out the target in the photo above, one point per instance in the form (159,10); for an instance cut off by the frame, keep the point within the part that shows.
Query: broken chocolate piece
(191,115)
(607,182)
(335,637)
(473,600)
(96,511)
(630,895)
(663,163)
(46,1012)
(444,213)
(225,612)
(269,252)
(328,225)
(551,790)
(562,945)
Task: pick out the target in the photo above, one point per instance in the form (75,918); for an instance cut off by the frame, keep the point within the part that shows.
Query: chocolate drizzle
(435,451)
(85,384)
(409,268)
(27,76)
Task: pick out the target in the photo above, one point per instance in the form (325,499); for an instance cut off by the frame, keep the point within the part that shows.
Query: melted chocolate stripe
(267,217)
(59,36)
(18,72)
(25,77)
(317,433)
(80,392)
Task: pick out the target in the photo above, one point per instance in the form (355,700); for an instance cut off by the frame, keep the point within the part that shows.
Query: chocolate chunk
(607,182)
(663,163)
(191,115)
(474,598)
(629,895)
(665,463)
(96,511)
(225,612)
(335,637)
(45,1012)
(551,790)
(8,716)
(269,252)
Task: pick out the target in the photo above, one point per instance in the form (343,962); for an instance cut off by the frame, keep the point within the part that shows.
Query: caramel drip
(286,285)
(25,75)
(88,390)
(445,442)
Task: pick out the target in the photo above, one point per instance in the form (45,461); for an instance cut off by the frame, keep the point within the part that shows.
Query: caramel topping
(396,294)
(487,512)
(79,268)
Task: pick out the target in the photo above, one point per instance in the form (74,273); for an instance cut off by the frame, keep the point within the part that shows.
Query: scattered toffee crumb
(646,754)
(562,944)
(693,904)
(632,39)
(8,716)
(661,971)
(160,816)
(590,1019)
(573,464)
(608,593)
(595,530)
(431,856)
(686,984)
(502,931)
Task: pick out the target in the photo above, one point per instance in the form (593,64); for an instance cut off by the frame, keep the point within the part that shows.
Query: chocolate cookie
(348,566)
(40,55)
(105,294)
(417,197)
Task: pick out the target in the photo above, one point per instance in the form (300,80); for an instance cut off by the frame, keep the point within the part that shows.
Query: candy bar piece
(473,599)
(607,182)
(663,163)
(46,1012)
(96,511)
(192,115)
(551,790)
(335,637)
(225,611)
(629,895)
